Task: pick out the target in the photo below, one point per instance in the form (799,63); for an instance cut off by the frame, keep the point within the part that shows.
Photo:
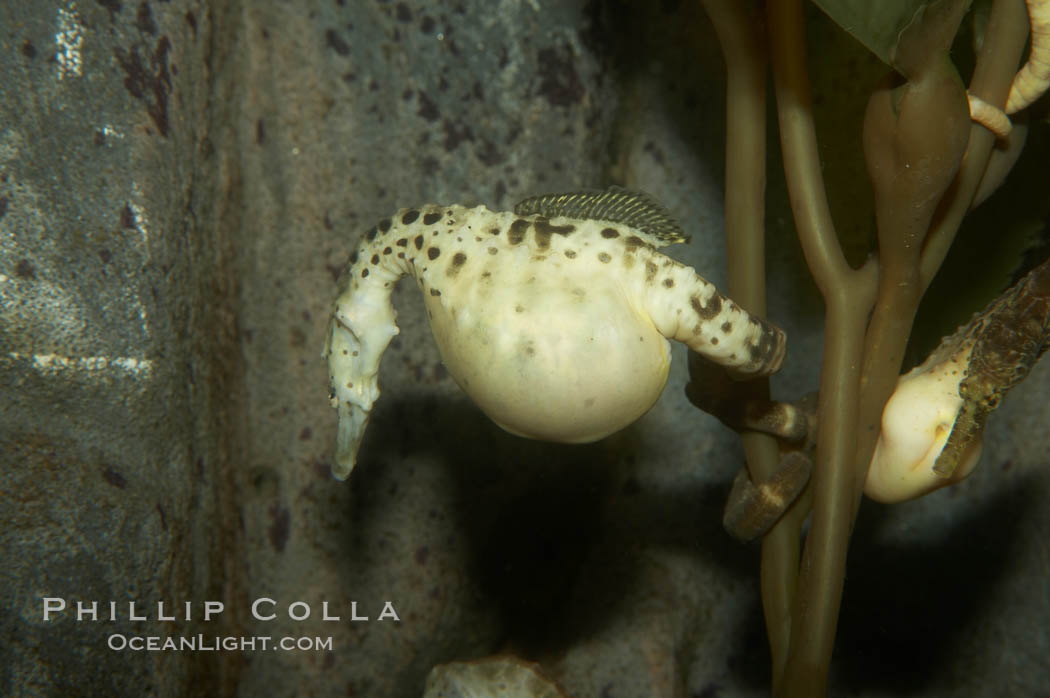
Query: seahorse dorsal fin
(614,205)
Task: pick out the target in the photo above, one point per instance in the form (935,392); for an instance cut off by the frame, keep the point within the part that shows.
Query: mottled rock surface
(115,341)
(180,184)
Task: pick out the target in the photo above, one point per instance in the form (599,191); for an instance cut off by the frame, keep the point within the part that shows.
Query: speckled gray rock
(113,408)
(347,112)
(172,220)
(499,676)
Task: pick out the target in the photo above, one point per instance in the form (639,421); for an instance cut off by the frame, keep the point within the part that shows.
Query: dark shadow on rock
(906,606)
(553,532)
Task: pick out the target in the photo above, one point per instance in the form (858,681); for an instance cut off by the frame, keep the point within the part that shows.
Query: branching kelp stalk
(915,260)
(926,162)
(848,296)
(1004,40)
(915,136)
(742,39)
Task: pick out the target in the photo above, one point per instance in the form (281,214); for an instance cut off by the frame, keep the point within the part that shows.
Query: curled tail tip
(345,457)
(351,429)
(341,471)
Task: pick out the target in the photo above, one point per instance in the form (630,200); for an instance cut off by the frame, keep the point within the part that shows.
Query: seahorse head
(916,423)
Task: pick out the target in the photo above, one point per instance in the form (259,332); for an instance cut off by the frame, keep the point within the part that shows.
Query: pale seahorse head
(916,423)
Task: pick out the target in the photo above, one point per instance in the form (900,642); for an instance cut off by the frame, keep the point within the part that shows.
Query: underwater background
(181,183)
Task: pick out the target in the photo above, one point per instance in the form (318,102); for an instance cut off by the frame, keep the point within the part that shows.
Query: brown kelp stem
(745,185)
(848,295)
(997,61)
(915,136)
(901,290)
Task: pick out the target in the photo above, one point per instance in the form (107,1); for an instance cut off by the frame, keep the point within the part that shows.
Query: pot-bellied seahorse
(933,424)
(554,318)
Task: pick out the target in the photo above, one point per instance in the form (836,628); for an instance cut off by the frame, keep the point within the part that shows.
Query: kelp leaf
(877,24)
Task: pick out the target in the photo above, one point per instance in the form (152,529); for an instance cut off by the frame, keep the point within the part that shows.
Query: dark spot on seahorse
(634,242)
(387,250)
(669,283)
(543,237)
(431,218)
(610,233)
(384,225)
(364,273)
(713,307)
(353,257)
(544,226)
(517,231)
(763,350)
(458,260)
(727,327)
(604,257)
(418,241)
(493,231)
(571,254)
(544,230)
(375,259)
(493,250)
(402,242)
(714,340)
(433,252)
(650,272)
(410,217)
(435,292)
(519,309)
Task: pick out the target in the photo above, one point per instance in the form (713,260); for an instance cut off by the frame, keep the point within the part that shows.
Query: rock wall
(116,334)
(181,183)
